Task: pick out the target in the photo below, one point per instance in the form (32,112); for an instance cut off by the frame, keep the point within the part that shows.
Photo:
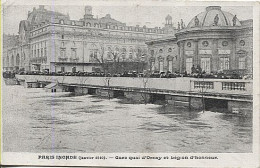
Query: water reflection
(36,121)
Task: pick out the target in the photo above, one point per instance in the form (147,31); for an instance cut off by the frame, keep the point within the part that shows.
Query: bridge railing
(227,86)
(185,84)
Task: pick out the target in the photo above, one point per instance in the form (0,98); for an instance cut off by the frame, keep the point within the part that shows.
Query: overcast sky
(131,14)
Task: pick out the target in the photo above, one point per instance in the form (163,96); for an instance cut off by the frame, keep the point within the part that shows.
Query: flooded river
(36,121)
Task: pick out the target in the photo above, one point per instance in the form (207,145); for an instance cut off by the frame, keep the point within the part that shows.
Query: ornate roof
(41,15)
(214,16)
(168,17)
(108,19)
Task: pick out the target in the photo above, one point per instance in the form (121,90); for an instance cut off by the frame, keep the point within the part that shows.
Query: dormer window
(62,36)
(61,21)
(73,23)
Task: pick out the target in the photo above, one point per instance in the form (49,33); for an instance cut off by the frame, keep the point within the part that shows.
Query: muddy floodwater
(36,121)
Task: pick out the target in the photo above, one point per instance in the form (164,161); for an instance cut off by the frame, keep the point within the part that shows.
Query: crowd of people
(195,73)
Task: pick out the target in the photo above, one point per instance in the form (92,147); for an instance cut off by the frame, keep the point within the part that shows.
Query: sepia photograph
(132,78)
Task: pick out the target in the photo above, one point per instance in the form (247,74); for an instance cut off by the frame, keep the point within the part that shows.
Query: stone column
(215,57)
(233,60)
(196,60)
(181,56)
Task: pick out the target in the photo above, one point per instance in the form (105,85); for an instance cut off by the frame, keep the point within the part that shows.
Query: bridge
(221,94)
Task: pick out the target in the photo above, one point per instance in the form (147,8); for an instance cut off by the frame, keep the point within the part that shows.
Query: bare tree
(145,80)
(100,58)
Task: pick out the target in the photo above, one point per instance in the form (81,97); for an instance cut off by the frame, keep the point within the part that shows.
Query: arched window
(160,60)
(12,60)
(88,24)
(123,53)
(131,53)
(169,62)
(139,52)
(61,21)
(152,63)
(73,23)
(73,53)
(117,53)
(109,50)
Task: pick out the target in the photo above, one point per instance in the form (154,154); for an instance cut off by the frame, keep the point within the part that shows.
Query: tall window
(45,51)
(41,52)
(63,53)
(170,65)
(117,51)
(224,63)
(17,60)
(131,53)
(152,64)
(93,53)
(242,63)
(188,65)
(123,53)
(160,59)
(205,64)
(109,53)
(73,53)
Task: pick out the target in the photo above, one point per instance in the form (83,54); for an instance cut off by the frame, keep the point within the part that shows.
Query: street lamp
(143,61)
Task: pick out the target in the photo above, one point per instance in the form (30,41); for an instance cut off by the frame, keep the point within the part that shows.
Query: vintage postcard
(130,83)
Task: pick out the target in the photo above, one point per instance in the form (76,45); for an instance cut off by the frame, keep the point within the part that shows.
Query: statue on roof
(234,20)
(179,26)
(196,20)
(216,19)
(182,26)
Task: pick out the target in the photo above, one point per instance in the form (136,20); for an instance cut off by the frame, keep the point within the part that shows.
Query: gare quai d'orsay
(215,40)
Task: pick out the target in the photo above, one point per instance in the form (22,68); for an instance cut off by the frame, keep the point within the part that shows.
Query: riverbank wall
(231,95)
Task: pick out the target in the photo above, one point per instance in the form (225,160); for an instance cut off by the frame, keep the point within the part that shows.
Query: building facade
(52,41)
(214,40)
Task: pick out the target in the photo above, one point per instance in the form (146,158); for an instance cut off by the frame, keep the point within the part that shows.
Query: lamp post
(143,61)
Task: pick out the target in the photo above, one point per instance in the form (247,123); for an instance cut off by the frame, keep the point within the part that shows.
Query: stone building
(215,40)
(52,41)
